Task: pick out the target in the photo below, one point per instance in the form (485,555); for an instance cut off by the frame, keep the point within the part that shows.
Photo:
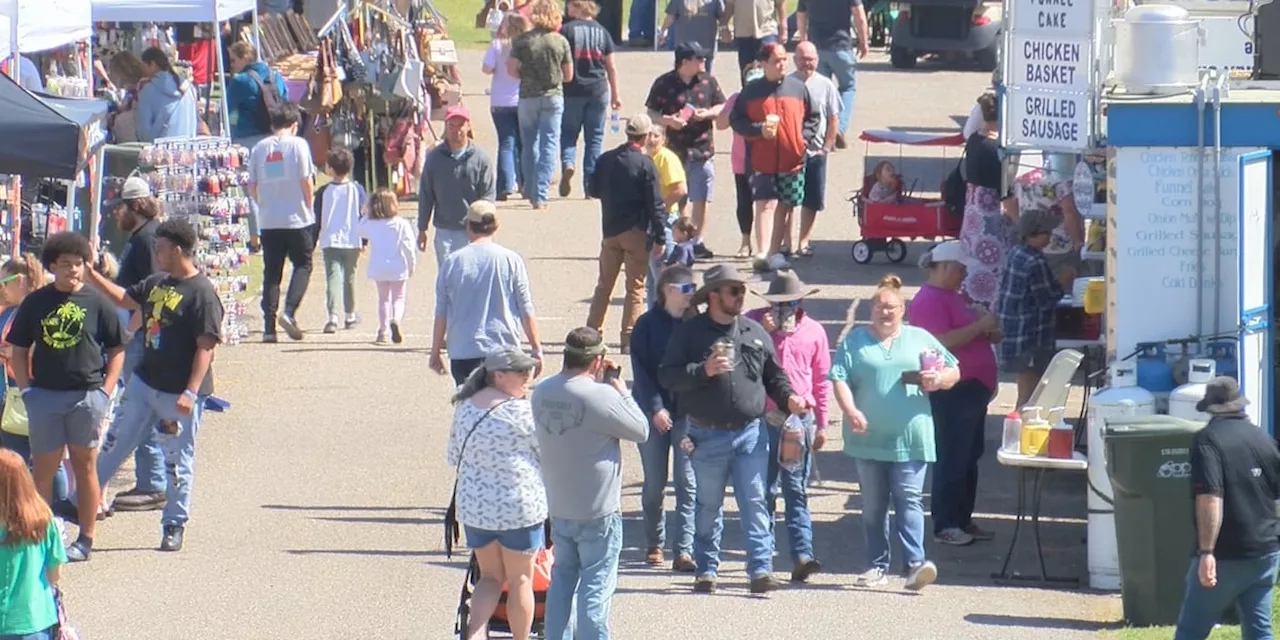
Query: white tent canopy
(168,10)
(43,24)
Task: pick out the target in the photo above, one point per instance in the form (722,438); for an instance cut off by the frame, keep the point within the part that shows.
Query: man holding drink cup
(777,116)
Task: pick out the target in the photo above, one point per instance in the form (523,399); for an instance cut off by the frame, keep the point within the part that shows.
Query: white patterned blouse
(499,478)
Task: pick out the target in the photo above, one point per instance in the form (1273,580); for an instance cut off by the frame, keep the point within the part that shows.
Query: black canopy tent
(46,136)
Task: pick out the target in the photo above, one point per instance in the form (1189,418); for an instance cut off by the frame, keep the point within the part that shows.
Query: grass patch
(253,271)
(460,17)
(1223,632)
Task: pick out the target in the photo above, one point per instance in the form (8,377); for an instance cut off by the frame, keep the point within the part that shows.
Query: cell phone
(911,377)
(611,373)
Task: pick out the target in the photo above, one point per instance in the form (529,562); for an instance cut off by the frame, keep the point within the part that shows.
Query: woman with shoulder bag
(19,277)
(31,556)
(499,498)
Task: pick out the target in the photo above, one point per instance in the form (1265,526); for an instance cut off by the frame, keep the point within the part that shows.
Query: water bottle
(791,444)
(615,121)
(1011,440)
(493,20)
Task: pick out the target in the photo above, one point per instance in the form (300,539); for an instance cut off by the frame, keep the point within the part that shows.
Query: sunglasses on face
(735,291)
(683,287)
(787,305)
(10,278)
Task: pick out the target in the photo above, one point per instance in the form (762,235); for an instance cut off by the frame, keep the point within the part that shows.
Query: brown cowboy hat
(786,287)
(717,275)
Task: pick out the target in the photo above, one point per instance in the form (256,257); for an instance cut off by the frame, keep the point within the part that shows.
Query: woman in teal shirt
(888,429)
(31,555)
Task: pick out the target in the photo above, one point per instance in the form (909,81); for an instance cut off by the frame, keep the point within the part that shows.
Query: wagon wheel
(896,251)
(861,252)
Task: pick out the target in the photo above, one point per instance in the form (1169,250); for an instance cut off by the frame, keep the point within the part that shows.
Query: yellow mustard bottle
(1034,440)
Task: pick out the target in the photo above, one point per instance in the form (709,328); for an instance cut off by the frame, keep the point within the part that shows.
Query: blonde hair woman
(504,101)
(882,375)
(542,60)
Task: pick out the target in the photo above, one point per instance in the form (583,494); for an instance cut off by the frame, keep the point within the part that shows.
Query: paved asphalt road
(319,495)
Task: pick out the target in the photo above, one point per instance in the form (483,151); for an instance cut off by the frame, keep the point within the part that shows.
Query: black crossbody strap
(452,532)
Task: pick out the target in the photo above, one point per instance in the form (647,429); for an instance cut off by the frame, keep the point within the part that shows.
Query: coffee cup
(771,125)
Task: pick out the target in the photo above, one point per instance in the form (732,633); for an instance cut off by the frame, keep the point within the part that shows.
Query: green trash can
(1149,463)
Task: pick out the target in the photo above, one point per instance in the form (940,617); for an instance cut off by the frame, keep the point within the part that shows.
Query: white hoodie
(392,254)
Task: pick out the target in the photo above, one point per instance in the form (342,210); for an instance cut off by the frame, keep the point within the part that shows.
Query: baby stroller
(498,621)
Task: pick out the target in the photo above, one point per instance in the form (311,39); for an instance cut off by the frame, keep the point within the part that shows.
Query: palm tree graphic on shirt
(63,328)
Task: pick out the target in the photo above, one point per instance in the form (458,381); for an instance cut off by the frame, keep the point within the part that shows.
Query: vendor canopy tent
(170,10)
(43,24)
(45,135)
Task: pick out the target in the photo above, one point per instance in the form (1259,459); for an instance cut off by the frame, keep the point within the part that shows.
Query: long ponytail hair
(157,56)
(24,513)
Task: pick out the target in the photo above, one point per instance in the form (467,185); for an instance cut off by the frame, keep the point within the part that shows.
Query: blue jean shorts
(526,540)
(700,176)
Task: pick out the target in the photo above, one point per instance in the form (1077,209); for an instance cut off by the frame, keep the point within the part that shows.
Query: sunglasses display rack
(202,180)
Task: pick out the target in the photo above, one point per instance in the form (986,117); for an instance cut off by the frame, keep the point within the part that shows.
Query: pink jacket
(805,355)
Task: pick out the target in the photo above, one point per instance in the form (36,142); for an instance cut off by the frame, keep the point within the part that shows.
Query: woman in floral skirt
(987,230)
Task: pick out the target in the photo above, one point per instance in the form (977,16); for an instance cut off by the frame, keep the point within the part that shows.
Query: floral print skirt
(985,235)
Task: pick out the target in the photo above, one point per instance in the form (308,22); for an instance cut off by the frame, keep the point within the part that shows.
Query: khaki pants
(629,250)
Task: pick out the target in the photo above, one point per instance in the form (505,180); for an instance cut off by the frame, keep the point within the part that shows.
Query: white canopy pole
(225,126)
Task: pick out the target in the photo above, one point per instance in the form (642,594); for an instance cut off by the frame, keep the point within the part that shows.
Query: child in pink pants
(392,259)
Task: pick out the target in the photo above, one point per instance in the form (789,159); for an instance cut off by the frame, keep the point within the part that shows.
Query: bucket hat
(787,287)
(1222,395)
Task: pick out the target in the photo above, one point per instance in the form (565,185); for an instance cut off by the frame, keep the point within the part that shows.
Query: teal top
(26,597)
(899,420)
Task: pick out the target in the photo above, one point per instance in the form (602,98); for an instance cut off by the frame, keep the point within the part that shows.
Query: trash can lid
(1148,426)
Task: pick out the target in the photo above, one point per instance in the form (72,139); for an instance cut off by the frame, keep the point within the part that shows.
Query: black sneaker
(134,500)
(805,568)
(331,327)
(172,539)
(395,333)
(566,180)
(764,583)
(705,584)
(701,252)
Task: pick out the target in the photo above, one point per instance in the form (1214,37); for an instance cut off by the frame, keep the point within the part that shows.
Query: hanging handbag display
(348,56)
(409,84)
(330,88)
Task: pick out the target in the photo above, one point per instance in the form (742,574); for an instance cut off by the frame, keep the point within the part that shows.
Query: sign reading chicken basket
(1049,75)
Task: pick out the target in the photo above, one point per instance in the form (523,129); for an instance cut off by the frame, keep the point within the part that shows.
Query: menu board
(1049,74)
(1155,238)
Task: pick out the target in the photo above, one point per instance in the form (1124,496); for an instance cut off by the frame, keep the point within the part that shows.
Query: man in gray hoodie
(580,416)
(454,175)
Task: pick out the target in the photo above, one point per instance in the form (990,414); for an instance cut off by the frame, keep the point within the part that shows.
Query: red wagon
(886,223)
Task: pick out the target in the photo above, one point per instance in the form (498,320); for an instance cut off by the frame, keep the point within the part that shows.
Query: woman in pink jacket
(802,348)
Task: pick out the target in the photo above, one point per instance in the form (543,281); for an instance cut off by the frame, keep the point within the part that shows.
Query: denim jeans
(903,484)
(22,446)
(842,68)
(740,455)
(1245,583)
(959,424)
(446,242)
(148,460)
(586,564)
(586,115)
(47,634)
(656,262)
(795,497)
(654,456)
(506,121)
(340,280)
(641,20)
(539,139)
(140,409)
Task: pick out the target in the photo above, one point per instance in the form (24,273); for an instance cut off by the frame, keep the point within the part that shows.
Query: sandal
(806,251)
(744,251)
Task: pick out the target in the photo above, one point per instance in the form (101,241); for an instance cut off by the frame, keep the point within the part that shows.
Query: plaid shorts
(785,187)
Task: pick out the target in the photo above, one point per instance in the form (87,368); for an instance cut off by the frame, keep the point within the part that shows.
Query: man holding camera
(581,415)
(721,366)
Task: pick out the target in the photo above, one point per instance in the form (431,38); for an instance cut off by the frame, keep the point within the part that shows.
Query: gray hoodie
(450,183)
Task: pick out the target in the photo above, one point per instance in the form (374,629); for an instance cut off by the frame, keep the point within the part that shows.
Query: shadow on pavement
(385,520)
(401,553)
(299,507)
(1040,623)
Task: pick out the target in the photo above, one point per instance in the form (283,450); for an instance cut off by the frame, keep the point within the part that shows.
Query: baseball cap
(509,359)
(639,125)
(479,209)
(949,251)
(133,189)
(686,50)
(457,111)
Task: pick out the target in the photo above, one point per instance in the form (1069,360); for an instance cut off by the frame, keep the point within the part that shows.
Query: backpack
(269,99)
(954,188)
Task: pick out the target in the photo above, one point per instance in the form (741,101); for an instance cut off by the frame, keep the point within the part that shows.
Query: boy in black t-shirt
(59,335)
(182,324)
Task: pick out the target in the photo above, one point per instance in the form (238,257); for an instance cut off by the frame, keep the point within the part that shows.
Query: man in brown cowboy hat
(721,366)
(805,356)
(1235,477)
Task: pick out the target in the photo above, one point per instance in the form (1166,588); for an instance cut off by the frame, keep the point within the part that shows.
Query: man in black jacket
(137,211)
(721,365)
(1235,481)
(626,183)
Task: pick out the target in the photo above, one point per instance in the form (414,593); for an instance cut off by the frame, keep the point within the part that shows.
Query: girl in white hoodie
(392,259)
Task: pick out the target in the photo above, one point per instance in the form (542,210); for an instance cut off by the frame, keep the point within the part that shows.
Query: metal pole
(15,198)
(225,126)
(257,43)
(97,169)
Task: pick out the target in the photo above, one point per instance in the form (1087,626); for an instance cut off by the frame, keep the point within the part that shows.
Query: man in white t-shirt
(825,98)
(280,181)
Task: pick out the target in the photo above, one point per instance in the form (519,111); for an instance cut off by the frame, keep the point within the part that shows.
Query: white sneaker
(62,529)
(953,536)
(778,262)
(921,576)
(875,577)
